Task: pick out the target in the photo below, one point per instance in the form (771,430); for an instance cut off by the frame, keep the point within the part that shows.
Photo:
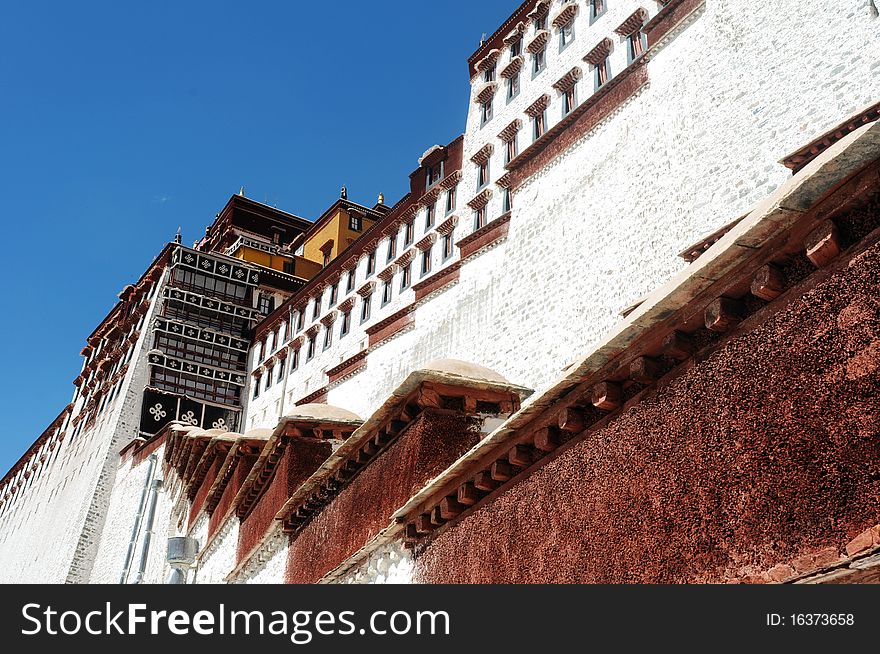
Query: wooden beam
(450,507)
(468,495)
(424,524)
(429,398)
(571,420)
(501,471)
(436,518)
(768,283)
(644,370)
(484,482)
(606,396)
(723,313)
(520,456)
(546,439)
(823,244)
(678,345)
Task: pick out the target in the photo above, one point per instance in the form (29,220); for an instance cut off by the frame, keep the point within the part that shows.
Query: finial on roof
(241,191)
(177,236)
(483,40)
(381,198)
(344,193)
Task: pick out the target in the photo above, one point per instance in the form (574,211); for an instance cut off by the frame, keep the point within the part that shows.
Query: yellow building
(338,227)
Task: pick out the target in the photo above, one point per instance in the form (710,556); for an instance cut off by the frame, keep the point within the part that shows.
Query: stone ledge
(484,237)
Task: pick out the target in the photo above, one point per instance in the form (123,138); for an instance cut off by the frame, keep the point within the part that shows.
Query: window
(602,73)
(429,216)
(328,336)
(346,324)
(289,267)
(328,253)
(450,200)
(539,125)
(266,304)
(566,34)
(568,101)
(261,351)
(386,292)
(426,261)
(539,61)
(485,112)
(354,223)
(281,370)
(512,86)
(482,174)
(479,218)
(636,45)
(408,233)
(316,308)
(310,351)
(300,319)
(541,23)
(268,378)
(294,361)
(516,48)
(405,276)
(510,151)
(489,74)
(371,263)
(365,307)
(256,388)
(392,248)
(349,283)
(433,174)
(334,293)
(447,246)
(505,200)
(597,8)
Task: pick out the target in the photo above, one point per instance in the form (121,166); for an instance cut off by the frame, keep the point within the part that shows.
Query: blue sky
(120,121)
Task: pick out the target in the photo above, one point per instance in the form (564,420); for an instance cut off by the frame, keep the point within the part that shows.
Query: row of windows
(387,293)
(201,353)
(191,280)
(194,386)
(636,45)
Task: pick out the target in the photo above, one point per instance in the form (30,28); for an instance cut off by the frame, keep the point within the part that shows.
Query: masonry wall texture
(364,507)
(765,451)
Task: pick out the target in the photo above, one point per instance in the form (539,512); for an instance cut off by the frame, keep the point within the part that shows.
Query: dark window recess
(405,275)
(346,323)
(289,267)
(355,223)
(371,263)
(266,304)
(447,246)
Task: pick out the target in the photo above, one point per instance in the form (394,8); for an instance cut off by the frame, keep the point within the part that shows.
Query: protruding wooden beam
(606,396)
(571,420)
(678,345)
(768,283)
(410,534)
(428,397)
(520,456)
(470,404)
(424,524)
(723,313)
(644,370)
(546,439)
(501,471)
(436,518)
(450,507)
(823,244)
(484,482)
(468,495)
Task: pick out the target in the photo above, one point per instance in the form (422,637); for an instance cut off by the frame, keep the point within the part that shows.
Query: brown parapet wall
(484,237)
(755,461)
(668,18)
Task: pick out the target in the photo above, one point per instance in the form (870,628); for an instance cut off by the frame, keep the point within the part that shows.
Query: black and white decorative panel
(204,302)
(161,408)
(162,360)
(210,265)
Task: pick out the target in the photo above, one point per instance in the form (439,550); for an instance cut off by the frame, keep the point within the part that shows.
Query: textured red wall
(364,506)
(766,451)
(300,460)
(242,468)
(202,493)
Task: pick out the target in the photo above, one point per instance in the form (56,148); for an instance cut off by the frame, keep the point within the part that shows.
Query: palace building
(625,328)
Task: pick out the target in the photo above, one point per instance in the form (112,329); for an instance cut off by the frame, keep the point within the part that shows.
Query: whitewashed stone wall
(268,564)
(217,558)
(50,534)
(389,564)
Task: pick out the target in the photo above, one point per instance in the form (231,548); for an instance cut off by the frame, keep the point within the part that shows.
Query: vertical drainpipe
(137,523)
(148,534)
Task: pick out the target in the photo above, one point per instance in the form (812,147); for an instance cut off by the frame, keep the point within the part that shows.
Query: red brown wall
(242,468)
(202,493)
(301,458)
(364,507)
(766,451)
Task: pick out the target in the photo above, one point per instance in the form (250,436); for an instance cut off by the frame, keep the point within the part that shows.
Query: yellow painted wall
(302,267)
(336,230)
